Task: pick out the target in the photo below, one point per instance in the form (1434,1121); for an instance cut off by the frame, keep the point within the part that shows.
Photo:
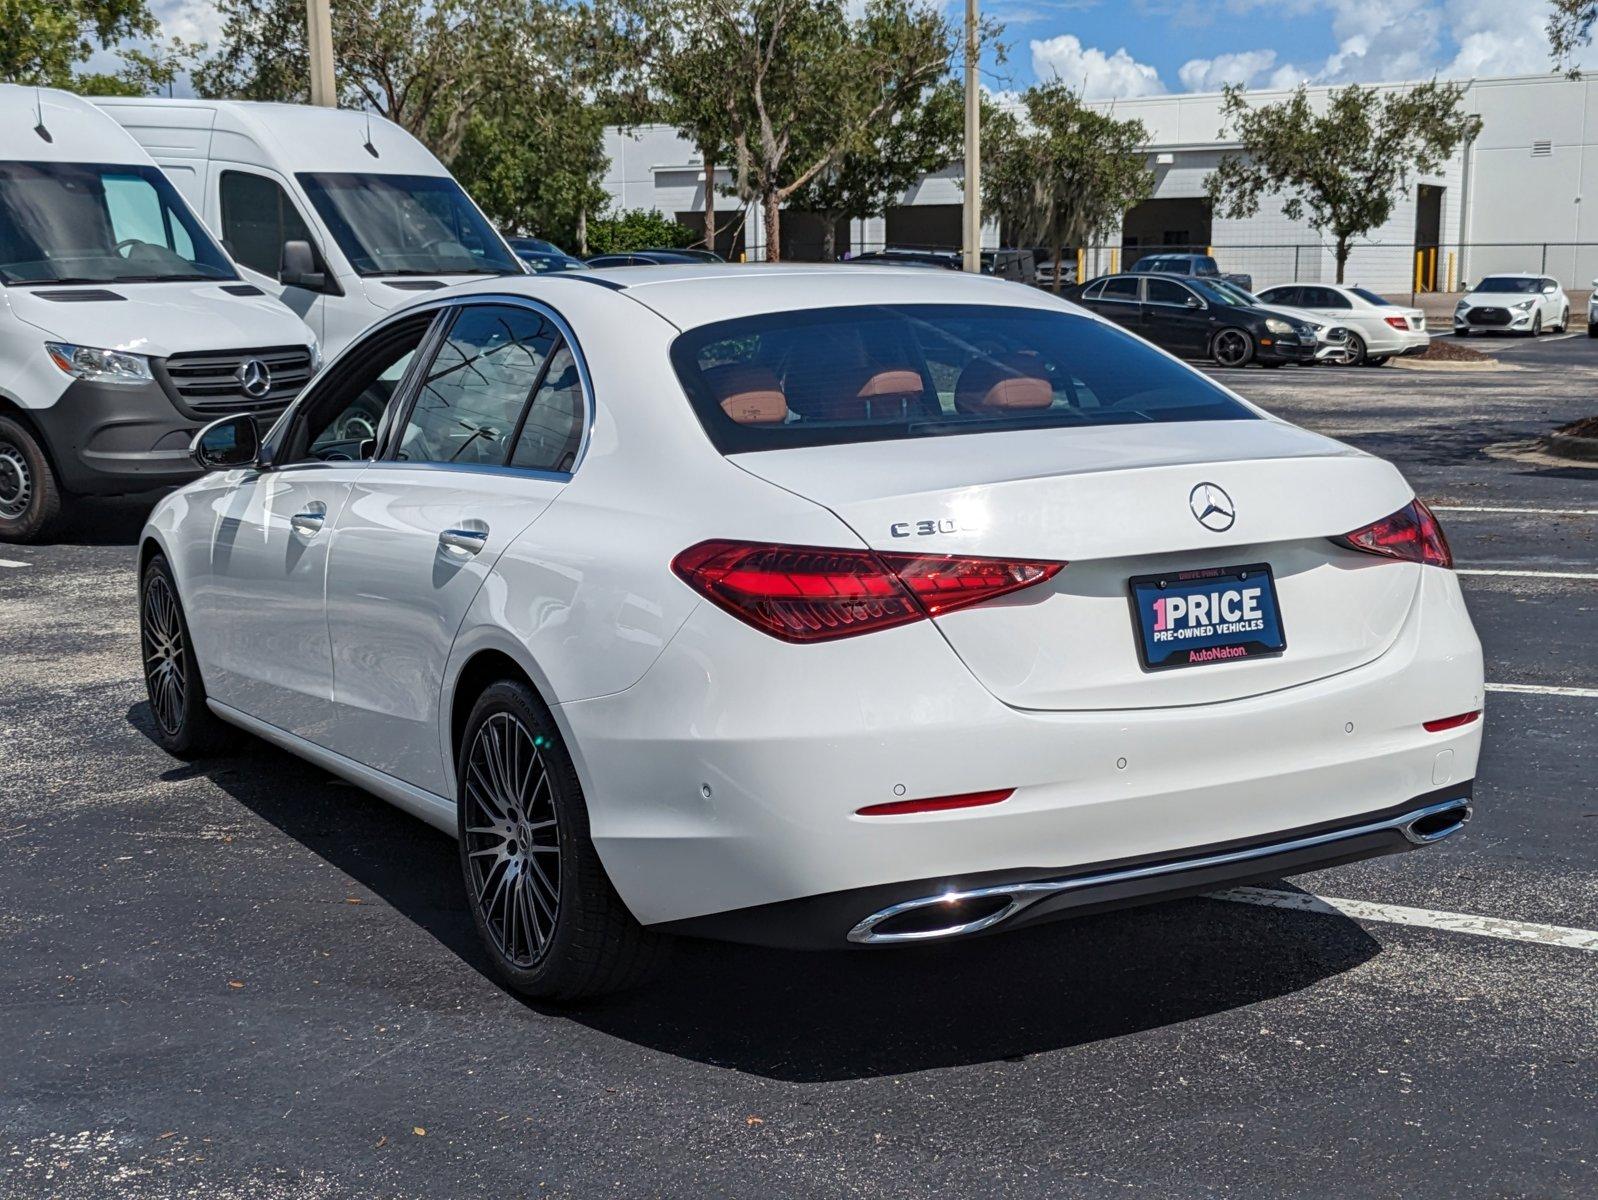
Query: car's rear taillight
(816,593)
(1411,534)
(1397,322)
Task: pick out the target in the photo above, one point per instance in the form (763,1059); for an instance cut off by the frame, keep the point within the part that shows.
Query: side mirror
(1191,302)
(231,442)
(297,267)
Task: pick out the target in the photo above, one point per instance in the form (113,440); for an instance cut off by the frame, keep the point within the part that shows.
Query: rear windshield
(1371,297)
(884,373)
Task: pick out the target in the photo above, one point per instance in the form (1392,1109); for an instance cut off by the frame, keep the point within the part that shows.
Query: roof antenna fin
(38,112)
(370,149)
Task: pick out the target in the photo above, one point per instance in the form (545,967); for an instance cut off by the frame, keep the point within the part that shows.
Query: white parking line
(1426,918)
(11,562)
(1541,512)
(1533,689)
(1528,574)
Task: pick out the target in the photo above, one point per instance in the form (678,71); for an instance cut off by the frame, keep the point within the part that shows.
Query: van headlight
(100,366)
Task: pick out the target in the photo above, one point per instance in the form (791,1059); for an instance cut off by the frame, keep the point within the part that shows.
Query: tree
(1569,29)
(1345,168)
(865,179)
(1060,172)
(787,87)
(41,41)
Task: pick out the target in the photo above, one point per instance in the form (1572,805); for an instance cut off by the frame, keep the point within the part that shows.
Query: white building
(1511,199)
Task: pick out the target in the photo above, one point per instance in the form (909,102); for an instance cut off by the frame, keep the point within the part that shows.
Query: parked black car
(642,258)
(697,253)
(541,257)
(1199,266)
(1193,319)
(1018,265)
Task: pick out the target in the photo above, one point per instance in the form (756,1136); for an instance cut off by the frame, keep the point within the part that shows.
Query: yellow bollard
(1081,264)
(1420,256)
(1115,261)
(1450,270)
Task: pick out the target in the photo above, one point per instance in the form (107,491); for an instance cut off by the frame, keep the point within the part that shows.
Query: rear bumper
(940,909)
(730,776)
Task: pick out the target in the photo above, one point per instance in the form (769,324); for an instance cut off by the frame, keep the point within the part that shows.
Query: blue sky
(1110,48)
(1119,48)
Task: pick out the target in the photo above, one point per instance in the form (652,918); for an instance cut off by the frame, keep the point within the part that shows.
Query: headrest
(750,395)
(893,382)
(1005,383)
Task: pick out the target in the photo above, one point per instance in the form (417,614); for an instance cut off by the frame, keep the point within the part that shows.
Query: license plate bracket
(1207,615)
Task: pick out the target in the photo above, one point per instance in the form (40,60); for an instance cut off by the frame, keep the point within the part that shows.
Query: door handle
(309,521)
(469,540)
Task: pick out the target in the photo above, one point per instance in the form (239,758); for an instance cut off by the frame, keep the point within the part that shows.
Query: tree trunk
(1342,257)
(710,202)
(582,231)
(1059,265)
(773,207)
(829,239)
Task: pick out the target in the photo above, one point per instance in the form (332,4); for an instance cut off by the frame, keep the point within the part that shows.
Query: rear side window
(861,374)
(1120,287)
(257,218)
(471,400)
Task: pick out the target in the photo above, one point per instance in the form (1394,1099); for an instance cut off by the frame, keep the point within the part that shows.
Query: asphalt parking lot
(240,978)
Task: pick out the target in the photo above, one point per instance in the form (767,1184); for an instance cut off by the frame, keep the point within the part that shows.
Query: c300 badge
(904,529)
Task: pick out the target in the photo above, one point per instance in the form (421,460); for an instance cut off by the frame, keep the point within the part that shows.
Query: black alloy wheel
(184,723)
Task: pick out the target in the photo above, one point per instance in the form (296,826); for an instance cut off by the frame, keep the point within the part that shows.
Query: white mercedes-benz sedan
(810,606)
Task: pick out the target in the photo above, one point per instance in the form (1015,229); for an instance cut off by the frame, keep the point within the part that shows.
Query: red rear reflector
(815,593)
(1443,723)
(1397,322)
(935,803)
(1411,534)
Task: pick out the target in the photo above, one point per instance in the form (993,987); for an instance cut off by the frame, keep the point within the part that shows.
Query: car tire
(1378,360)
(1356,350)
(548,917)
(1592,329)
(1536,329)
(1564,322)
(1232,348)
(184,724)
(30,497)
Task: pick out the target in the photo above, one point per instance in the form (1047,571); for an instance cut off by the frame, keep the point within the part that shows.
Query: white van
(124,327)
(341,214)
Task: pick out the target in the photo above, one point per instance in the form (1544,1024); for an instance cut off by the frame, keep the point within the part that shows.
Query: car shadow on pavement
(105,522)
(850,1014)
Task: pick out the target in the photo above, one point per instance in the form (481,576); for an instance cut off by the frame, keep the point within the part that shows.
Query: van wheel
(30,498)
(552,924)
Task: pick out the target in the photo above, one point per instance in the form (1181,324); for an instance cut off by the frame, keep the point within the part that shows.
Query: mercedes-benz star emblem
(254,378)
(1212,507)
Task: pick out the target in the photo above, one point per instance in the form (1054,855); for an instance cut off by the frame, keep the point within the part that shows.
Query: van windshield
(871,373)
(72,223)
(407,225)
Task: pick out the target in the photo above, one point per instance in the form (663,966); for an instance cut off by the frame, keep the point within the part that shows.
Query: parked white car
(816,608)
(1518,303)
(1378,329)
(1592,311)
(1331,338)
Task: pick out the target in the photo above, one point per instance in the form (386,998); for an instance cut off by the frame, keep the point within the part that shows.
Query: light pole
(319,41)
(971,217)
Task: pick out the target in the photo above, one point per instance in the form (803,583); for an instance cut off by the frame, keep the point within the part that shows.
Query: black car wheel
(1232,348)
(30,499)
(1355,354)
(1536,326)
(184,724)
(546,912)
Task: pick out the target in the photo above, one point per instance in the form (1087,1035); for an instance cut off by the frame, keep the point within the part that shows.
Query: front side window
(873,373)
(257,218)
(470,402)
(74,223)
(1165,291)
(407,225)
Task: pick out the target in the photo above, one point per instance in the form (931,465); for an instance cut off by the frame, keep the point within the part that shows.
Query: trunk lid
(1113,501)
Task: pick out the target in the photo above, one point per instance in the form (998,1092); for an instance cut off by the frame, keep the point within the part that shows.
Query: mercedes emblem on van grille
(1212,507)
(254,378)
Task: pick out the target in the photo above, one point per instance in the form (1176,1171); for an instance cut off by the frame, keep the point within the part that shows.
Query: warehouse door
(1428,235)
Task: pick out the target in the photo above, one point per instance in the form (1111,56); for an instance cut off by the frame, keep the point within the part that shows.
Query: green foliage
(1569,28)
(637,229)
(866,178)
(784,89)
(1343,168)
(1060,172)
(42,41)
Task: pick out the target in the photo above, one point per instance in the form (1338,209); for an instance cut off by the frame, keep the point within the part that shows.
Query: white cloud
(1091,72)
(191,20)
(1211,74)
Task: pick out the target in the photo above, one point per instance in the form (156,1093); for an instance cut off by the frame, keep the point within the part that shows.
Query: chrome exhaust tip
(1435,823)
(932,917)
